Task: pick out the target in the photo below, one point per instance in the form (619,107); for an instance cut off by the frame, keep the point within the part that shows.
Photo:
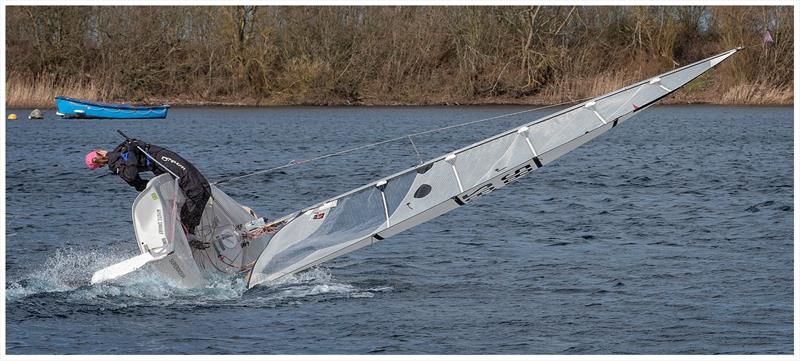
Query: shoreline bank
(749,97)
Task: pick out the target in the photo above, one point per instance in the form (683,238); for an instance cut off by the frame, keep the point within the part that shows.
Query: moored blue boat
(76,108)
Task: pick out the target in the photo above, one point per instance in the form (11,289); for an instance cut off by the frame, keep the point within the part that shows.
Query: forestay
(391,205)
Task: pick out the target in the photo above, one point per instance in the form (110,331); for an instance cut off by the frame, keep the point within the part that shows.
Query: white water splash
(69,270)
(317,281)
(66,270)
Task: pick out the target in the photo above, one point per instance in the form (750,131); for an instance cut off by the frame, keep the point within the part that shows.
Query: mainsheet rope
(402,137)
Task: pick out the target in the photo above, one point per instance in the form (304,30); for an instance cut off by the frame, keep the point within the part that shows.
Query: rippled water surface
(670,234)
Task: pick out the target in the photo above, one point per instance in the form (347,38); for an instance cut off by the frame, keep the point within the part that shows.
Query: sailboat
(241,243)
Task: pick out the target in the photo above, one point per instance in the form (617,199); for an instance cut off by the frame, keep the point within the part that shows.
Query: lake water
(671,234)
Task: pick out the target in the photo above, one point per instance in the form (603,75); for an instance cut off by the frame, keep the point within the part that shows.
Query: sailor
(127,160)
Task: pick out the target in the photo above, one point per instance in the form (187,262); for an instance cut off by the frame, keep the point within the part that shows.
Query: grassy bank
(25,92)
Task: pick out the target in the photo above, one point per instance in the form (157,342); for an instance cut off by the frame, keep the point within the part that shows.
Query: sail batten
(393,204)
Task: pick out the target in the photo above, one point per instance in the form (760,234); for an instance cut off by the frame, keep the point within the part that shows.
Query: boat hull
(159,232)
(76,108)
(156,221)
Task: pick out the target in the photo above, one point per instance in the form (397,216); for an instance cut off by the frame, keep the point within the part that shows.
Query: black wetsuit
(127,161)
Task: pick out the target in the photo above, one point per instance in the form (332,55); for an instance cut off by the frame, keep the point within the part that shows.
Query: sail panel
(434,183)
(556,131)
(678,79)
(300,227)
(400,191)
(328,226)
(478,164)
(625,102)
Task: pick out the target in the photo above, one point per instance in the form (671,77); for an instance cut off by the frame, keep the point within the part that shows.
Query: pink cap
(90,160)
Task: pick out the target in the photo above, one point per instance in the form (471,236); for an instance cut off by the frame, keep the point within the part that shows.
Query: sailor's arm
(128,170)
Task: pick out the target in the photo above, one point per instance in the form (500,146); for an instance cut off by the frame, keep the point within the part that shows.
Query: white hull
(160,236)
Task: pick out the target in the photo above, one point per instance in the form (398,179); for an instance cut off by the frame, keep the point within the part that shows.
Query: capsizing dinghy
(239,242)
(229,229)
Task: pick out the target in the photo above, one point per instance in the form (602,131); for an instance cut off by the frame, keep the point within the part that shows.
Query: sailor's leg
(193,208)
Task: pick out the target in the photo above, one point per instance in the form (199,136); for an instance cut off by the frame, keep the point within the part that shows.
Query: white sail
(391,205)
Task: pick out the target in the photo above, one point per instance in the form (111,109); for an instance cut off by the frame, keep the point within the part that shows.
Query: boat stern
(156,221)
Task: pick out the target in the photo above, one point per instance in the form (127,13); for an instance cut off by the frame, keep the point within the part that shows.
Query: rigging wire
(409,136)
(419,157)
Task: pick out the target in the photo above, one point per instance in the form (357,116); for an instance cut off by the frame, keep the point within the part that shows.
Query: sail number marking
(490,187)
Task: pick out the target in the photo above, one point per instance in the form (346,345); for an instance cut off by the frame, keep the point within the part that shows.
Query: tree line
(387,55)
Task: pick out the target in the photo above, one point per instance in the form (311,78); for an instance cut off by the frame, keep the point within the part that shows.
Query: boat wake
(64,277)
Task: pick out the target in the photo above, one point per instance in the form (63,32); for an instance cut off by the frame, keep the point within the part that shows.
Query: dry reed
(26,91)
(757,93)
